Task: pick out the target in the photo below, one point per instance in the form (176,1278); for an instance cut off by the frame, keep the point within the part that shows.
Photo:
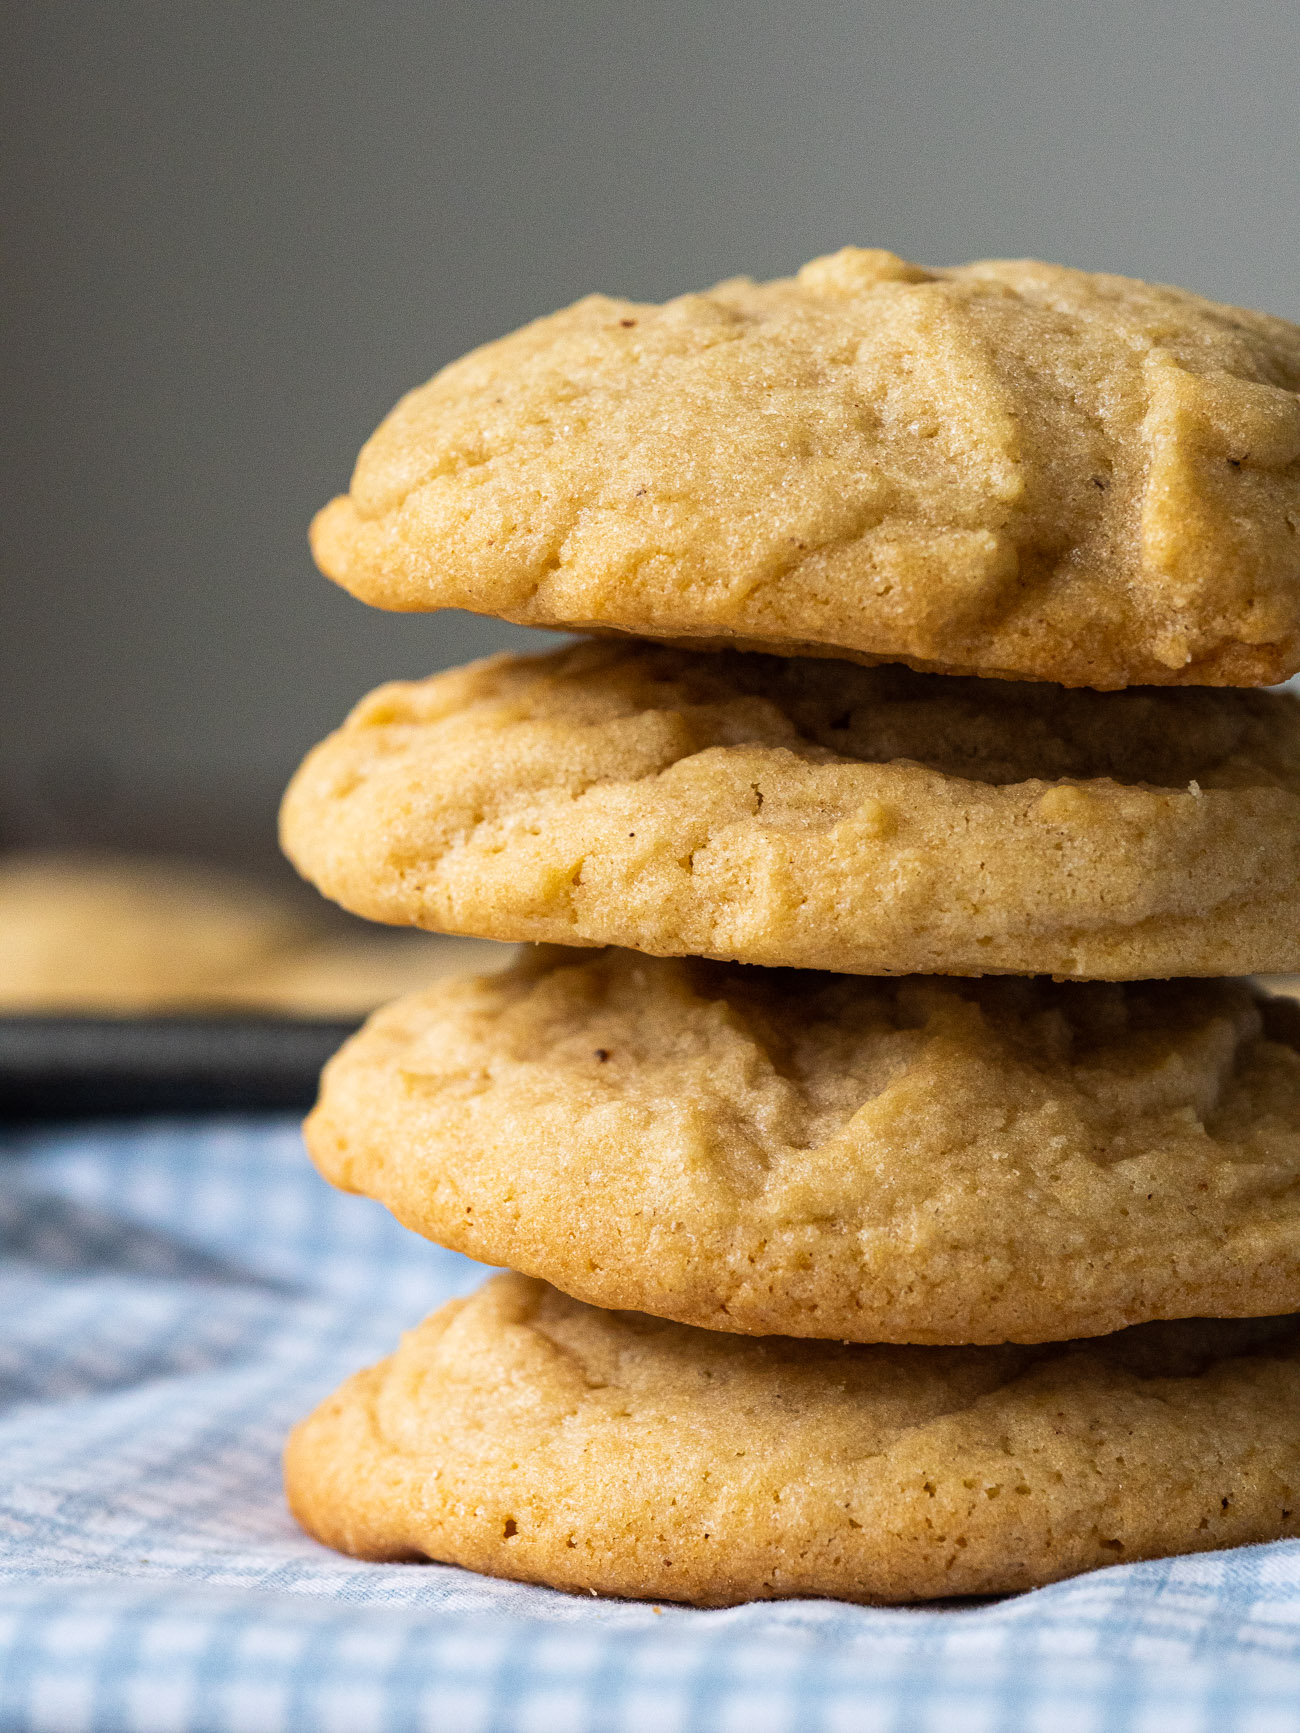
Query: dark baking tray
(76,1067)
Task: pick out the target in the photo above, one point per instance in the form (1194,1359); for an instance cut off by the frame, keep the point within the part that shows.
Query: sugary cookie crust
(816,814)
(526,1435)
(1007,468)
(806,1155)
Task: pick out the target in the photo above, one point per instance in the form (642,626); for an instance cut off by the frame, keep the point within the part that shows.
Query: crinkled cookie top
(1006,468)
(815,814)
(780,1153)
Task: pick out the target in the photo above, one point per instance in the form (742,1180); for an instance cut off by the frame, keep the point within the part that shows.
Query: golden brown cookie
(527,1435)
(776,1153)
(1005,468)
(116,934)
(816,814)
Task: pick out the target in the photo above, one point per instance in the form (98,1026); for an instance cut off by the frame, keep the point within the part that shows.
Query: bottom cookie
(527,1435)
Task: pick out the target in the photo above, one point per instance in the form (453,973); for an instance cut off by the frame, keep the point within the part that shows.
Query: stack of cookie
(905,1203)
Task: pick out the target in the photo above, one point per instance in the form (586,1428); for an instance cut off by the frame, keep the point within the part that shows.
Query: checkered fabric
(173,1297)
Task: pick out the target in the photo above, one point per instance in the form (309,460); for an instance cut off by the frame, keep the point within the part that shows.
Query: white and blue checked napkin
(173,1297)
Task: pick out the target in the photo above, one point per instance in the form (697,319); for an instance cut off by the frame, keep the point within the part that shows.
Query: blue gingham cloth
(173,1297)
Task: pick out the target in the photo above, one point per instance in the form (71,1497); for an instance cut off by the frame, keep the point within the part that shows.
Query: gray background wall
(236,232)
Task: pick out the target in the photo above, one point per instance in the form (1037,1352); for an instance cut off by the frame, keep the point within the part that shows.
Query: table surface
(175,1294)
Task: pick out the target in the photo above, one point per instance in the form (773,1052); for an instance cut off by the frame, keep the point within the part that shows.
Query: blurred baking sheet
(76,1067)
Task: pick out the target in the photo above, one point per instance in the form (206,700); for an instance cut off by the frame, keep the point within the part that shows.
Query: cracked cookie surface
(770,1152)
(524,1434)
(816,814)
(1005,468)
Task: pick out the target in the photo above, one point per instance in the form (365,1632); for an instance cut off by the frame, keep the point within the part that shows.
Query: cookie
(816,814)
(777,1153)
(1007,468)
(114,934)
(527,1435)
(349,977)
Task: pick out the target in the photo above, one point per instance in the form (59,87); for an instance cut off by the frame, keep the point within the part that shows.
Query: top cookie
(1005,468)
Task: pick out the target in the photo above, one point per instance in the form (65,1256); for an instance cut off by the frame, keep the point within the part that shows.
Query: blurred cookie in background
(349,976)
(113,934)
(121,935)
